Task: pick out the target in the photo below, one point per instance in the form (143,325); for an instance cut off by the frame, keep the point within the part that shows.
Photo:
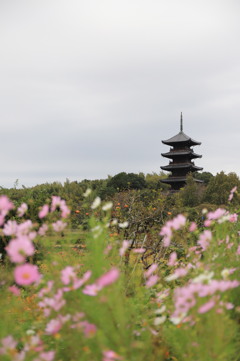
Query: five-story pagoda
(182,154)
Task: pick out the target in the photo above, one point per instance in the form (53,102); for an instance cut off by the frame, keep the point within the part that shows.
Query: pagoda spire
(181,123)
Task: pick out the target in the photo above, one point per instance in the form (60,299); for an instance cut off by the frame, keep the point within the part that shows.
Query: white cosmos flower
(107,206)
(123,225)
(96,203)
(87,193)
(225,273)
(114,222)
(206,276)
(159,320)
(160,310)
(177,320)
(171,277)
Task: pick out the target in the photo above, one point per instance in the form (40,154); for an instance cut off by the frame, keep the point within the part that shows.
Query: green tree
(190,194)
(123,181)
(204,176)
(219,187)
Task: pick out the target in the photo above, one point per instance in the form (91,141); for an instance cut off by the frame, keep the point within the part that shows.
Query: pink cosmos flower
(103,281)
(59,226)
(22,209)
(220,212)
(8,343)
(166,232)
(79,282)
(125,246)
(65,211)
(107,249)
(152,281)
(53,326)
(193,227)
(78,316)
(192,249)
(238,250)
(44,211)
(232,193)
(89,329)
(207,223)
(178,222)
(173,259)
(24,228)
(91,290)
(10,228)
(110,355)
(108,278)
(204,239)
(150,270)
(68,275)
(233,218)
(229,306)
(56,201)
(5,205)
(46,356)
(43,229)
(139,250)
(185,297)
(15,290)
(26,274)
(56,302)
(206,306)
(174,224)
(18,249)
(47,289)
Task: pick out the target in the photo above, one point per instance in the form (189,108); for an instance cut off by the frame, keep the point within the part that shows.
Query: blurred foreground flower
(26,274)
(96,203)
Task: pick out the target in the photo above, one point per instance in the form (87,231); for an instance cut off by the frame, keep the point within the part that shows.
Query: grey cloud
(91,88)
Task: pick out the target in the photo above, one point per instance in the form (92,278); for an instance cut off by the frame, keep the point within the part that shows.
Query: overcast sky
(89,88)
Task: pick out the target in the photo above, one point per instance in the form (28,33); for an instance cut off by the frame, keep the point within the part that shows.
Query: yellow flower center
(26,276)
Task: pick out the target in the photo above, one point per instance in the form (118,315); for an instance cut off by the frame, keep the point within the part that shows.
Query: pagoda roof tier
(181,166)
(181,138)
(176,153)
(171,180)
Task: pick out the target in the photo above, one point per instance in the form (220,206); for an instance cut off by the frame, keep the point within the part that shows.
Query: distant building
(181,155)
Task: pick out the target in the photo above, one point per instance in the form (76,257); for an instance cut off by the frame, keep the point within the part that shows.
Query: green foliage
(190,194)
(123,181)
(219,187)
(204,176)
(153,181)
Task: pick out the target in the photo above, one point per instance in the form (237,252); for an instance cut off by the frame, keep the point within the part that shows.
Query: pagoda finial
(181,123)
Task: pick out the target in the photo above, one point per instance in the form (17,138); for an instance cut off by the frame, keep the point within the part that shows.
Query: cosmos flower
(96,203)
(19,248)
(44,211)
(26,274)
(22,209)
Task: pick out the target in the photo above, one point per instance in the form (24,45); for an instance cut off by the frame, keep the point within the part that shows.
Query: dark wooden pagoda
(181,155)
